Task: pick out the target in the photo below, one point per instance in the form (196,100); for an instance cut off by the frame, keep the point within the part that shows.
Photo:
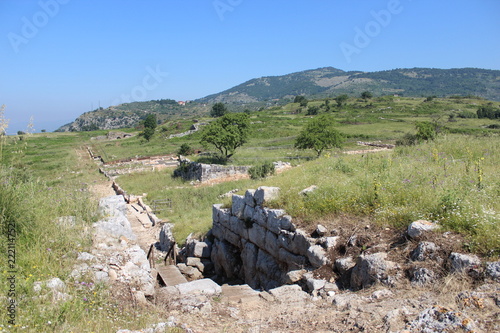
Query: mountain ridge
(323,82)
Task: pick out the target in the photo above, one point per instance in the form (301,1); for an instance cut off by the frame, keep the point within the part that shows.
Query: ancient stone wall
(205,172)
(260,245)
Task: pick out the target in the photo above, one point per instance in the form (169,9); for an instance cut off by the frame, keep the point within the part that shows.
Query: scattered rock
(463,263)
(166,237)
(418,228)
(266,193)
(199,287)
(308,190)
(317,256)
(320,231)
(382,293)
(421,276)
(344,264)
(370,269)
(439,319)
(493,270)
(290,294)
(423,251)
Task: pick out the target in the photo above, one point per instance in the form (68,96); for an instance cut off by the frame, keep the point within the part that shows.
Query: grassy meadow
(454,180)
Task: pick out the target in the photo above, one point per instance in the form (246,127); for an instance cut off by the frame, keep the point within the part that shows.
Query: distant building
(181,103)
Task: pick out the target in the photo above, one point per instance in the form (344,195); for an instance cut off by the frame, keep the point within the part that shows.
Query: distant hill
(330,82)
(316,83)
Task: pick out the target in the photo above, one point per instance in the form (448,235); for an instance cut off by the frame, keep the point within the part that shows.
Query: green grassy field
(454,180)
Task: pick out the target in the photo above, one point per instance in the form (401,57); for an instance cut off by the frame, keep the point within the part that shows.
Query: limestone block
(249,264)
(215,212)
(290,294)
(257,235)
(423,251)
(238,205)
(203,287)
(193,261)
(238,226)
(297,242)
(271,243)
(249,198)
(370,269)
(248,212)
(267,265)
(226,259)
(273,220)
(294,276)
(202,249)
(330,242)
(292,260)
(286,223)
(421,276)
(309,190)
(493,270)
(166,237)
(418,228)
(344,264)
(224,216)
(463,263)
(266,193)
(320,230)
(232,238)
(317,256)
(260,216)
(218,231)
(314,285)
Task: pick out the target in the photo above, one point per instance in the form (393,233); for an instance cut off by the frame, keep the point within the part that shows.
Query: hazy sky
(59,58)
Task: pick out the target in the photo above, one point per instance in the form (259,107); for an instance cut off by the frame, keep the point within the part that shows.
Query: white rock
(266,193)
(203,286)
(418,228)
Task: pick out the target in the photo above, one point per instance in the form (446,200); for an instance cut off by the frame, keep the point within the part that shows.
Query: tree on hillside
(227,133)
(319,134)
(150,124)
(341,100)
(366,95)
(218,110)
(301,100)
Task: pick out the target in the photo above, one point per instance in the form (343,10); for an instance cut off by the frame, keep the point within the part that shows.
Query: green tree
(147,133)
(366,95)
(218,110)
(227,133)
(150,124)
(319,134)
(150,121)
(341,100)
(312,111)
(185,149)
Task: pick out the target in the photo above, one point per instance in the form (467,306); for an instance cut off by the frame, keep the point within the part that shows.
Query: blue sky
(59,58)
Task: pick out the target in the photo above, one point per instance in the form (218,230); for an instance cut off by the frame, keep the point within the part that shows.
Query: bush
(467,115)
(262,171)
(185,149)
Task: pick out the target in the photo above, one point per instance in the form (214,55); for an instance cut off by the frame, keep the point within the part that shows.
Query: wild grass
(46,214)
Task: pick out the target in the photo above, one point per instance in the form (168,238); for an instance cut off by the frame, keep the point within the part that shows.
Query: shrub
(185,149)
(467,115)
(262,171)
